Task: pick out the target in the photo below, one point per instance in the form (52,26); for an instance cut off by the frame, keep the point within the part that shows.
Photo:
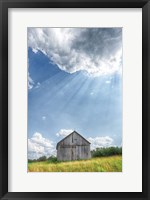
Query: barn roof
(69,135)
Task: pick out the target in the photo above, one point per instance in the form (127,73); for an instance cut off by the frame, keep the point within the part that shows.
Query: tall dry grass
(103,164)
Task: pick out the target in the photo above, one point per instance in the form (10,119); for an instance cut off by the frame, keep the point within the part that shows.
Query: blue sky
(74,83)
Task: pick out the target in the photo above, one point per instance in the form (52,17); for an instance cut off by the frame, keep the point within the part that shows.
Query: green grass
(101,164)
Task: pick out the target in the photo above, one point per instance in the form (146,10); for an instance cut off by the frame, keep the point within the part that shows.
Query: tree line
(109,151)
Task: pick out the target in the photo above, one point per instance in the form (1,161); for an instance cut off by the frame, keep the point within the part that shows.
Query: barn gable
(73,147)
(73,138)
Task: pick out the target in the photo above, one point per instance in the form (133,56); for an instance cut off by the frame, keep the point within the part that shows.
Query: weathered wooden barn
(73,147)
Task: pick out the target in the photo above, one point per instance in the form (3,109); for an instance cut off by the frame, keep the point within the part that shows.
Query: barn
(73,147)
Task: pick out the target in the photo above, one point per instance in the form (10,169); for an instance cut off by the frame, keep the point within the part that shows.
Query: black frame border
(4,6)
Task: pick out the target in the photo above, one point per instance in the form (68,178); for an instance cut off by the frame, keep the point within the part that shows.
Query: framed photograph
(74,99)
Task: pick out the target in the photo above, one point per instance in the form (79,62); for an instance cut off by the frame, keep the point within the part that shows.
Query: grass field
(102,164)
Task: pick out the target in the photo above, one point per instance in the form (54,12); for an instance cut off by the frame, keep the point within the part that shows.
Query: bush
(109,151)
(43,158)
(31,161)
(52,159)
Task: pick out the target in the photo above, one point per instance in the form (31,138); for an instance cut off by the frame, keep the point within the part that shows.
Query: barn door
(73,153)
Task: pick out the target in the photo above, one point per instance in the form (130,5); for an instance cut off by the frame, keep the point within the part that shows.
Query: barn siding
(73,147)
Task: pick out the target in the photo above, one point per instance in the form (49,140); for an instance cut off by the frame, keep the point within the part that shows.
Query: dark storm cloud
(97,51)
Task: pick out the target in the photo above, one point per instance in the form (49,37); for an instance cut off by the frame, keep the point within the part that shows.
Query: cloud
(43,118)
(37,85)
(64,132)
(35,50)
(98,142)
(30,82)
(97,51)
(39,146)
(91,93)
(108,82)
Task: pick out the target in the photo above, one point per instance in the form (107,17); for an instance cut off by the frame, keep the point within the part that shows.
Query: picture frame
(4,96)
